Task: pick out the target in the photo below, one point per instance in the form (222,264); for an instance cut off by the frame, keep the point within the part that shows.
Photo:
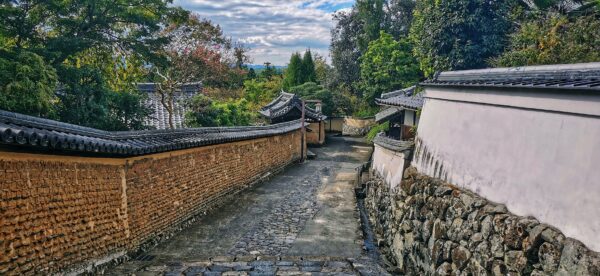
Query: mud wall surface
(73,213)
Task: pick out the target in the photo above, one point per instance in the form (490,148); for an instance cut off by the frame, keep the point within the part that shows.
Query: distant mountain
(262,66)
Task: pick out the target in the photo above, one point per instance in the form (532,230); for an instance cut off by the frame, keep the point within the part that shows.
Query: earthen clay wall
(317,135)
(61,212)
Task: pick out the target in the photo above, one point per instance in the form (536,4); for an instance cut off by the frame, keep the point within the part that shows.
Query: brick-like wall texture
(429,227)
(62,213)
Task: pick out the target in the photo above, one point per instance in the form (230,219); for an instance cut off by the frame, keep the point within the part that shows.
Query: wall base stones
(427,226)
(357,127)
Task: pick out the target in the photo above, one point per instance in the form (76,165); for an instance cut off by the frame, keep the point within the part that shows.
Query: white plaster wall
(389,164)
(538,163)
(409,117)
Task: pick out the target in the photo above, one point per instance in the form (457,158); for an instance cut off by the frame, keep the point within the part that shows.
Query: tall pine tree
(293,73)
(308,68)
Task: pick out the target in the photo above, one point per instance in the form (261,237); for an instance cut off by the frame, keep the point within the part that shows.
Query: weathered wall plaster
(389,165)
(538,153)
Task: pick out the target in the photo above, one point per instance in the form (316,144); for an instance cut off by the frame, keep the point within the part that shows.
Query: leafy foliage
(459,34)
(322,70)
(373,17)
(27,84)
(293,74)
(313,91)
(553,39)
(94,49)
(376,130)
(387,65)
(59,29)
(259,93)
(206,112)
(345,52)
(308,68)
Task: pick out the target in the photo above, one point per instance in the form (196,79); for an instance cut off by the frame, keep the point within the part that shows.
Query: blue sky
(273,29)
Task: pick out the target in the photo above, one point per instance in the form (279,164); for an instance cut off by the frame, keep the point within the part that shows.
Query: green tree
(79,39)
(59,29)
(459,34)
(27,84)
(251,74)
(127,110)
(553,39)
(313,91)
(308,68)
(372,16)
(258,93)
(399,16)
(345,51)
(205,112)
(269,71)
(84,97)
(387,65)
(293,73)
(323,71)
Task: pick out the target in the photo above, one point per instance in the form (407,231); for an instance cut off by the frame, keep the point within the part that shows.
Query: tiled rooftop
(286,103)
(39,134)
(582,76)
(160,118)
(405,98)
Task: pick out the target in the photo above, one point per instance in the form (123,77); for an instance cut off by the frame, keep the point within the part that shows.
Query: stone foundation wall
(357,127)
(427,226)
(64,213)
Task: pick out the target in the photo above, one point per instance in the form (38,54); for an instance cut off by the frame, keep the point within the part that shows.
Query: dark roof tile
(286,103)
(405,98)
(582,76)
(34,133)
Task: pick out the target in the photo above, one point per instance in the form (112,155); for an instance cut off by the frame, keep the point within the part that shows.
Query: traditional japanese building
(288,107)
(160,118)
(400,109)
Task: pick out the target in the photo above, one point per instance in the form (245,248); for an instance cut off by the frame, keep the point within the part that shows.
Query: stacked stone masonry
(427,226)
(62,213)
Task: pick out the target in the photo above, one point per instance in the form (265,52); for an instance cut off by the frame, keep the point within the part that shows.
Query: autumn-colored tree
(199,52)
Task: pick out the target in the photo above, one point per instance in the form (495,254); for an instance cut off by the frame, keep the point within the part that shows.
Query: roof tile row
(42,134)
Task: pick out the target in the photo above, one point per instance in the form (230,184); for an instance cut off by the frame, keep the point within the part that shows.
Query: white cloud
(273,29)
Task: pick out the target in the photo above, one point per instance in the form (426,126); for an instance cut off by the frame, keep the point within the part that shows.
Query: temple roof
(582,76)
(160,117)
(287,106)
(32,133)
(188,88)
(404,98)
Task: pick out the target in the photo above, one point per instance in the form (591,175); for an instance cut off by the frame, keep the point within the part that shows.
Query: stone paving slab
(266,265)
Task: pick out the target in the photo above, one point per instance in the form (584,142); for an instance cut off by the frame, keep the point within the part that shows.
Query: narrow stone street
(302,221)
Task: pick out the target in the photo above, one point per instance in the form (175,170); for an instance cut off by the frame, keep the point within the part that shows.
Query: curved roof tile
(34,133)
(285,103)
(405,98)
(582,76)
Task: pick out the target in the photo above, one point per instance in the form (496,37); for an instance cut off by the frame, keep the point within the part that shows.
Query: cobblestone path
(269,266)
(276,233)
(303,221)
